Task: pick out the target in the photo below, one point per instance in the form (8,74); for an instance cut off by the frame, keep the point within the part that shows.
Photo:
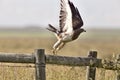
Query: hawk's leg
(56,45)
(61,46)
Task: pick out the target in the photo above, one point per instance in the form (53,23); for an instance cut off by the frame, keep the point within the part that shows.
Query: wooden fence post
(40,64)
(91,71)
(118,71)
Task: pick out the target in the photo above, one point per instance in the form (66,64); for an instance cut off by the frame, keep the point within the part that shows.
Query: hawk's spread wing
(65,16)
(77,21)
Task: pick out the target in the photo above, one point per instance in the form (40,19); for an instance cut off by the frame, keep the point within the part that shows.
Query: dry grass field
(106,42)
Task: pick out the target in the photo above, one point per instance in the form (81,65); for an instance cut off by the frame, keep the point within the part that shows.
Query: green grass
(23,34)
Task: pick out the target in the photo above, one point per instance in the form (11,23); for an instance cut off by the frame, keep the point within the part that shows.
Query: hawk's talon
(54,52)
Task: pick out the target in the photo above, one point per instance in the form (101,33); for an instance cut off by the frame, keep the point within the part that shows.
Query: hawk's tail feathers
(53,29)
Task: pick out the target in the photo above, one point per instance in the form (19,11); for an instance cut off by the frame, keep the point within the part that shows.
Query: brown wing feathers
(76,18)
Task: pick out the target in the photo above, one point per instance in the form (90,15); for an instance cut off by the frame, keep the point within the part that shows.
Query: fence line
(40,59)
(60,60)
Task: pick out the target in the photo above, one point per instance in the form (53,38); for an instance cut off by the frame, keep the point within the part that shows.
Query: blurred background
(23,26)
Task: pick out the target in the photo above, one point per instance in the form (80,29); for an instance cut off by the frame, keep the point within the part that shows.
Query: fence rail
(40,59)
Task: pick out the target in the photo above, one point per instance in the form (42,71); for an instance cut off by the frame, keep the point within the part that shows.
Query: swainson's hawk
(70,25)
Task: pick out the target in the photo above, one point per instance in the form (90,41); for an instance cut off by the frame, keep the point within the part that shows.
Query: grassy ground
(106,42)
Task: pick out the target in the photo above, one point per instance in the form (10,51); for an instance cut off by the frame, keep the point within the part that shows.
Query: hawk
(70,23)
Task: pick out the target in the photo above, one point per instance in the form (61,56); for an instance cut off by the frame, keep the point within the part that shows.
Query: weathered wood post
(91,71)
(118,71)
(40,64)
